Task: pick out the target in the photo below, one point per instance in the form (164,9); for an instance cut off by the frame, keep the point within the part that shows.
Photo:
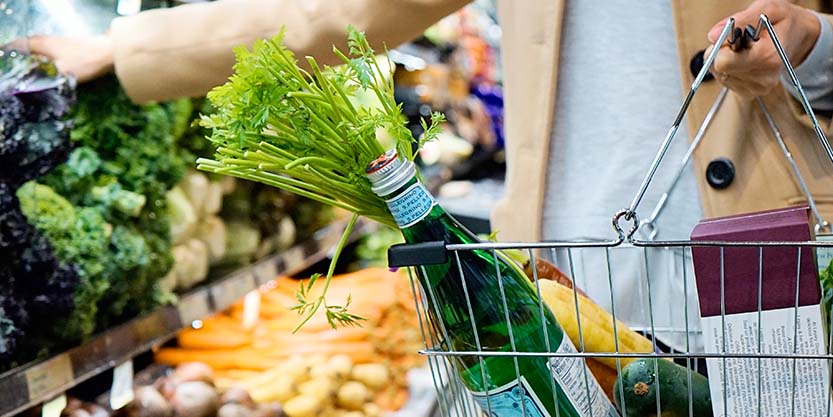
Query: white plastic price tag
(251,309)
(121,392)
(54,407)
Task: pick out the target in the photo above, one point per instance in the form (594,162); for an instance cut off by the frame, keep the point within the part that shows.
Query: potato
(193,371)
(78,412)
(323,370)
(269,410)
(352,395)
(149,402)
(342,365)
(311,360)
(302,406)
(195,399)
(374,375)
(237,395)
(96,410)
(234,410)
(166,386)
(280,390)
(72,405)
(333,412)
(297,371)
(329,410)
(322,388)
(372,410)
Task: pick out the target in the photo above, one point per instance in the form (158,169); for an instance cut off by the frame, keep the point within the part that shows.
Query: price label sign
(233,289)
(121,392)
(50,376)
(54,407)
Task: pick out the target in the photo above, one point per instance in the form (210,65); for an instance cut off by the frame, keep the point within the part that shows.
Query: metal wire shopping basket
(747,366)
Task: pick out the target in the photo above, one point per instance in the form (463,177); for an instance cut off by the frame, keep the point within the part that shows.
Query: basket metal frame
(452,394)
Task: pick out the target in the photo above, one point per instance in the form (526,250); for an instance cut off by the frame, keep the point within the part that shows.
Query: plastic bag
(22,18)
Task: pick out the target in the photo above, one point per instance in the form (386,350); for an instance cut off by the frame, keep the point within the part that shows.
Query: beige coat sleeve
(798,110)
(187,50)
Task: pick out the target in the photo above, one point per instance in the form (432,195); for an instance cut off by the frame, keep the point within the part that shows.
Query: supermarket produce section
(134,284)
(30,385)
(280,237)
(126,204)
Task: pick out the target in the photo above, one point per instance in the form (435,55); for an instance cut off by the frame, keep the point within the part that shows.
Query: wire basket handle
(736,39)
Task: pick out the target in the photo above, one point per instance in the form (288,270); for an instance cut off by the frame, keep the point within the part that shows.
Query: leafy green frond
(432,131)
(310,130)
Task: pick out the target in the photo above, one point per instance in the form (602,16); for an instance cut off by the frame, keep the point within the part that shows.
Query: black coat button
(720,173)
(696,64)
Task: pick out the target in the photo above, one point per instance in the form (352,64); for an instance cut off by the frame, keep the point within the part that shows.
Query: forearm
(187,50)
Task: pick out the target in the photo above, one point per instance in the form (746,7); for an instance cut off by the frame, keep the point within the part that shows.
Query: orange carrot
(217,359)
(356,349)
(207,338)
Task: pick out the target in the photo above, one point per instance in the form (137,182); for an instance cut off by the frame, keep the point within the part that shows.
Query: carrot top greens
(307,132)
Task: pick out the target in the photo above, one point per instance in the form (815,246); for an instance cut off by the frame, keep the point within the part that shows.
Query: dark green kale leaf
(34,138)
(34,101)
(126,161)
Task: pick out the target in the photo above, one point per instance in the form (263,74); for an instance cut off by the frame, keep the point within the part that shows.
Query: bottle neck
(411,203)
(421,219)
(414,209)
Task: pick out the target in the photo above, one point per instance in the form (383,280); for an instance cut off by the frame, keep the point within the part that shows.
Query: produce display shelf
(29,385)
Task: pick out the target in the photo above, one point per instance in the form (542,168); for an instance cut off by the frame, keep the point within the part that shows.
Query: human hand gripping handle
(741,42)
(753,69)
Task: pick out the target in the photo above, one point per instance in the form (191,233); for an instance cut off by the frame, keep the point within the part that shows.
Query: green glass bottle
(470,310)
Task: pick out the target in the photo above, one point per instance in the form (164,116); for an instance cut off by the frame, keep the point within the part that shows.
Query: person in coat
(590,91)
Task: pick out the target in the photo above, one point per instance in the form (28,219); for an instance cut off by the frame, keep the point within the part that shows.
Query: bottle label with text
(579,385)
(507,401)
(411,206)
